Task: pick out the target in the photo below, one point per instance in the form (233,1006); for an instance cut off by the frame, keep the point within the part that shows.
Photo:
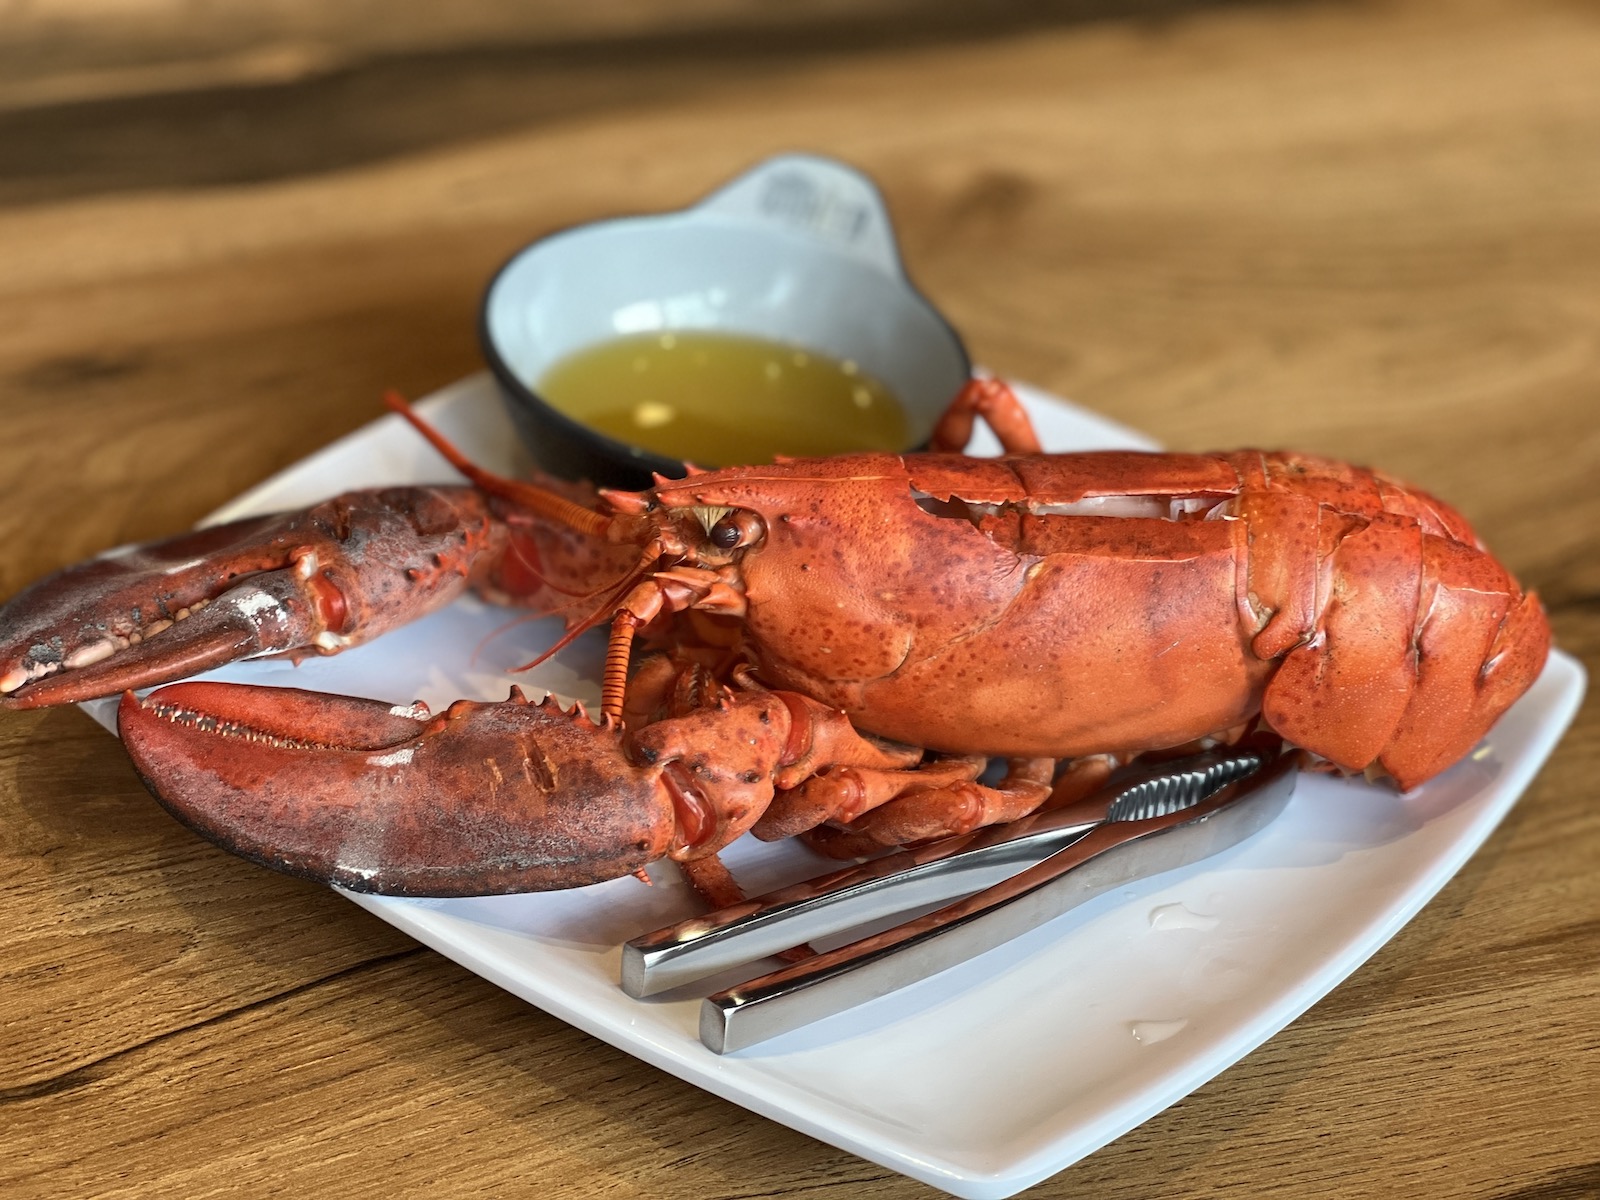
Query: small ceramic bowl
(798,250)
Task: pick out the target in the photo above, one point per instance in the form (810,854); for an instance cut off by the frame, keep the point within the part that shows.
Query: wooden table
(1367,230)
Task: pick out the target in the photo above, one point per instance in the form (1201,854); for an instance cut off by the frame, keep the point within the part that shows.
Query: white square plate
(1005,1070)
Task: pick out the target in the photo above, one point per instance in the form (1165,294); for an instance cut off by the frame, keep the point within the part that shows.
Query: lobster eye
(736,529)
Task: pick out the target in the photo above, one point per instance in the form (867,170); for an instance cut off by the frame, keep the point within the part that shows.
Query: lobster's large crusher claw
(482,799)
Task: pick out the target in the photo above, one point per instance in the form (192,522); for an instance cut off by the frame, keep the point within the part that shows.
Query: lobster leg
(827,772)
(1000,409)
(846,792)
(936,812)
(710,879)
(1081,778)
(733,753)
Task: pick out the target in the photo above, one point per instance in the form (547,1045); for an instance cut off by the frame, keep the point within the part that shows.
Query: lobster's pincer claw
(483,799)
(94,629)
(314,581)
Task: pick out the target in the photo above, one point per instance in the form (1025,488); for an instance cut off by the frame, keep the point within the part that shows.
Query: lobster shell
(1007,606)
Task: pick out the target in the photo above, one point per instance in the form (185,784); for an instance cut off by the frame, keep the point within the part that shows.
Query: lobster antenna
(532,566)
(530,496)
(629,578)
(647,560)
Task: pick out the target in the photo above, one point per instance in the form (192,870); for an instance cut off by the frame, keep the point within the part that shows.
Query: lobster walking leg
(845,793)
(1000,409)
(711,880)
(1082,777)
(937,812)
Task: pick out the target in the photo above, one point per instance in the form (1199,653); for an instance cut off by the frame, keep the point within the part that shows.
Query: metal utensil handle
(700,946)
(1106,858)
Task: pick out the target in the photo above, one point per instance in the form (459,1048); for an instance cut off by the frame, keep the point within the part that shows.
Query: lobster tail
(1403,640)
(1463,688)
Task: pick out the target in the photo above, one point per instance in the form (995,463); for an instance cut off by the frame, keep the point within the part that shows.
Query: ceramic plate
(997,1073)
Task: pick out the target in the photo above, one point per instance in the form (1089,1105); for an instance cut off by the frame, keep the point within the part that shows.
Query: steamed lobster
(844,644)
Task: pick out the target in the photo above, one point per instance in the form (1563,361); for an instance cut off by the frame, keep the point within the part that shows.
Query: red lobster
(845,643)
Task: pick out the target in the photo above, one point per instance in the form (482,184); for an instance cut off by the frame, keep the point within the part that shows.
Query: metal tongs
(1014,877)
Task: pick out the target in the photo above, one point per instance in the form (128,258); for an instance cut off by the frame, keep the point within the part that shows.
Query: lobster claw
(314,581)
(483,799)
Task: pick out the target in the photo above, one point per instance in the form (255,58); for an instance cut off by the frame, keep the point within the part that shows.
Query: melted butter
(718,399)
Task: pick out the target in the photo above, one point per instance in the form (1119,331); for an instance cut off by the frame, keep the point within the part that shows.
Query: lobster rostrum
(843,646)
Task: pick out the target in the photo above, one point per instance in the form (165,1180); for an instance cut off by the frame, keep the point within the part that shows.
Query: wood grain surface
(1366,229)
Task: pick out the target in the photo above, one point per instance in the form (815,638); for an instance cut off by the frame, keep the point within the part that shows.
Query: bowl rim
(638,457)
